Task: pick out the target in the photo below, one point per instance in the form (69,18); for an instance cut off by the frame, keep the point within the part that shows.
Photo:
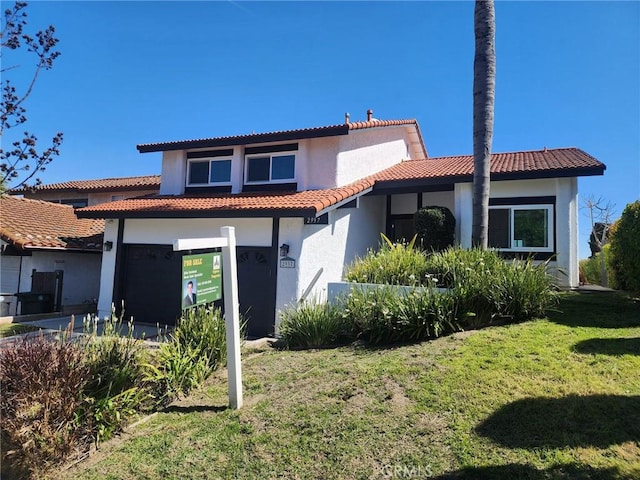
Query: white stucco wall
(80,282)
(440,199)
(368,151)
(174,172)
(317,166)
(331,247)
(566,225)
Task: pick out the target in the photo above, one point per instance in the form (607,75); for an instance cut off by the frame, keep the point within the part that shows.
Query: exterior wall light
(107,246)
(284,250)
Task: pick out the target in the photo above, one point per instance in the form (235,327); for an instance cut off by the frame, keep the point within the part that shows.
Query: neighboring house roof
(148,182)
(256,204)
(282,136)
(36,225)
(548,163)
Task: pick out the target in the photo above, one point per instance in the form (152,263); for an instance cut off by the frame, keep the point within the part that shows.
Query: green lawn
(552,398)
(10,329)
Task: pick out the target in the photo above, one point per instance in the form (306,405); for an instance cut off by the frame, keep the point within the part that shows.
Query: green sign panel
(201,279)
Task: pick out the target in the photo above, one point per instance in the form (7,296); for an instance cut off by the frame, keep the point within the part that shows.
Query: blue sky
(568,74)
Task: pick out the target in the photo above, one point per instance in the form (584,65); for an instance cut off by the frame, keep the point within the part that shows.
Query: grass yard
(10,329)
(552,398)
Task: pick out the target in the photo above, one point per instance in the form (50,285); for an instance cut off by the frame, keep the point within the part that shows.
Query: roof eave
(244,139)
(237,213)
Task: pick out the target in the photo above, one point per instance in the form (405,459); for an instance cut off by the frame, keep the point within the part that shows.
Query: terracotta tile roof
(281,135)
(255,204)
(513,165)
(34,224)
(559,162)
(148,182)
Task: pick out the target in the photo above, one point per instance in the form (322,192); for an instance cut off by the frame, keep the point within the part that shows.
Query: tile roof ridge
(510,152)
(13,198)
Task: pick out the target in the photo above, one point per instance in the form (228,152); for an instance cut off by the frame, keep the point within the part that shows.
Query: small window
(523,228)
(209,172)
(270,168)
(258,169)
(220,171)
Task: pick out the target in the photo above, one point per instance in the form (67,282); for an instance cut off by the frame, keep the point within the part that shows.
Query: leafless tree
(22,158)
(601,213)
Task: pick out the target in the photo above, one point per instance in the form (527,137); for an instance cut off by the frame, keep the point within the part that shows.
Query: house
(81,193)
(306,202)
(47,250)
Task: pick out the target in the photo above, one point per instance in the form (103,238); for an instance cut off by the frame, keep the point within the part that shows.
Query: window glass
(499,236)
(198,172)
(258,169)
(530,228)
(283,167)
(220,171)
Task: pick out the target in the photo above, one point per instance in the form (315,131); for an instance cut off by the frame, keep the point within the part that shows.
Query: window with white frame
(208,171)
(270,168)
(521,228)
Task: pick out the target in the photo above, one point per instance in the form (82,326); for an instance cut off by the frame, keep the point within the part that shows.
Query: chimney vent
(369,115)
(346,118)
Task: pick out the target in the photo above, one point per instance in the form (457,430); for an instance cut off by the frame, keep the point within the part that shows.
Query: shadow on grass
(516,471)
(599,310)
(609,346)
(195,408)
(573,421)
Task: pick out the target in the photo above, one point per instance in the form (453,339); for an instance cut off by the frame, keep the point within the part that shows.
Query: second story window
(208,168)
(270,168)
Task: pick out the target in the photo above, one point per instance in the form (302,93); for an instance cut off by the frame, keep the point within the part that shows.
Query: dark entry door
(152,287)
(256,289)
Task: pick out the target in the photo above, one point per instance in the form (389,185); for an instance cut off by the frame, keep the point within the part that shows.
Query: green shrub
(174,371)
(392,264)
(116,388)
(590,268)
(435,227)
(314,324)
(387,315)
(487,286)
(42,384)
(625,248)
(203,329)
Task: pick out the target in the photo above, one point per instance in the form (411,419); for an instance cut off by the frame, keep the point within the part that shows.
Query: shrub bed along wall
(483,288)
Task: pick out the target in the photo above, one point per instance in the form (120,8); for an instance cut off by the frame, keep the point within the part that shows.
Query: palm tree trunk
(484,85)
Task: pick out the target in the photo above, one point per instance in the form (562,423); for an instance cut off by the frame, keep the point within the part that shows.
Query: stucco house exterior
(82,193)
(45,248)
(306,202)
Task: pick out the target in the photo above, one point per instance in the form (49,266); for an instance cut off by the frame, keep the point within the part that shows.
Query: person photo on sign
(190,295)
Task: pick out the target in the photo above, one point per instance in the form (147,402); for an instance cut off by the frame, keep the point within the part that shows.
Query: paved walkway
(52,327)
(590,288)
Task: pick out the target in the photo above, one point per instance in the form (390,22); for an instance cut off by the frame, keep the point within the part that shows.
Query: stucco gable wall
(364,152)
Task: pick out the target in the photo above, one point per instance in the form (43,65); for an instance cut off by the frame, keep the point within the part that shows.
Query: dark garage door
(152,287)
(256,289)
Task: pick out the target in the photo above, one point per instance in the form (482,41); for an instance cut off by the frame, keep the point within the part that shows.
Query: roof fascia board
(263,213)
(343,202)
(244,139)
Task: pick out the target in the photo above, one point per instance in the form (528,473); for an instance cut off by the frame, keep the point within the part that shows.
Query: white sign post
(231,305)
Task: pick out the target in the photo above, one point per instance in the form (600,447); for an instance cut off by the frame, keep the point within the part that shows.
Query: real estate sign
(201,279)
